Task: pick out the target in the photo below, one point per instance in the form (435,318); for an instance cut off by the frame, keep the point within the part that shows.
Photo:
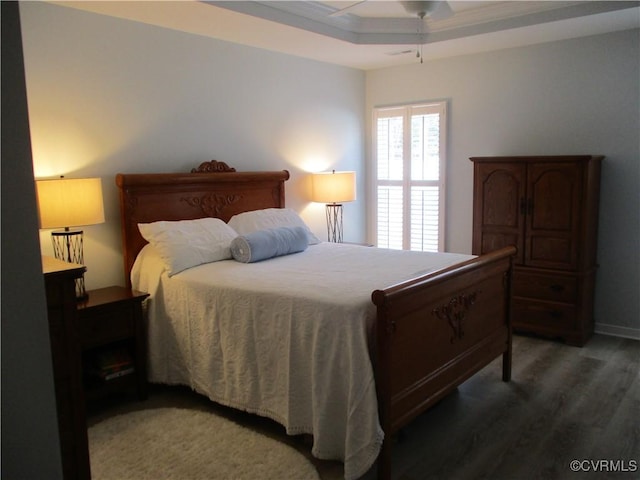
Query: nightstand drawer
(109,324)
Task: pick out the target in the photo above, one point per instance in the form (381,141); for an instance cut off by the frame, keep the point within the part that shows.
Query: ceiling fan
(434,9)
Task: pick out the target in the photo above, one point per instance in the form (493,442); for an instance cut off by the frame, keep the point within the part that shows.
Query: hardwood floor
(563,403)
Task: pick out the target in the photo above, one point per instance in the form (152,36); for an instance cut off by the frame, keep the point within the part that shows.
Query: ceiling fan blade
(441,11)
(344,10)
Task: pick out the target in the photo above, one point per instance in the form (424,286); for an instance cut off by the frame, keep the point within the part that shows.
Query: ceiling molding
(455,36)
(358,29)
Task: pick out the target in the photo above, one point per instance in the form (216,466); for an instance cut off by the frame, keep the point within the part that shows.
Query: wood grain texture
(546,206)
(563,403)
(419,358)
(149,197)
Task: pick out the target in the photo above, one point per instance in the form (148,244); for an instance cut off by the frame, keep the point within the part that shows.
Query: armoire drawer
(542,314)
(556,288)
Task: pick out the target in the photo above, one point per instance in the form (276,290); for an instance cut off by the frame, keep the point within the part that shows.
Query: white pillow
(268,218)
(186,243)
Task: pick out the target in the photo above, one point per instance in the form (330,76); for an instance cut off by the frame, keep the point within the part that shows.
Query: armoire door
(547,206)
(553,211)
(500,192)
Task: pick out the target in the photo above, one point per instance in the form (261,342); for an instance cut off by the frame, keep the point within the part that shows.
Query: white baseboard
(615,331)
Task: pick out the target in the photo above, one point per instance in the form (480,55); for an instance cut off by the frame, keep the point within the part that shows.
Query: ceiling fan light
(420,8)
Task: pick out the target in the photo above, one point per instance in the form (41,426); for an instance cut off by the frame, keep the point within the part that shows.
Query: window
(409,158)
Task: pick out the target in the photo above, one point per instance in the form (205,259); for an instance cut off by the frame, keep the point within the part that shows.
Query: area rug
(183,444)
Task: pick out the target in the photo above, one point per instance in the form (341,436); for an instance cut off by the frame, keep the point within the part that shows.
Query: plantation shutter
(409,157)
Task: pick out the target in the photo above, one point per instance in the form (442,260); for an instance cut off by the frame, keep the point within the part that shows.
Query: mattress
(290,338)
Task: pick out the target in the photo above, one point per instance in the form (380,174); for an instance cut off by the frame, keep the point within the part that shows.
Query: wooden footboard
(434,332)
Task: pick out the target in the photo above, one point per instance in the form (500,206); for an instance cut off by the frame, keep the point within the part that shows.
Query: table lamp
(65,203)
(333,189)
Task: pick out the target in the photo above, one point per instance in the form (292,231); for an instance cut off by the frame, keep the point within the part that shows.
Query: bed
(350,363)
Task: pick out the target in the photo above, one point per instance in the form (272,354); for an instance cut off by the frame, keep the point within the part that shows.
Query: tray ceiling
(377,34)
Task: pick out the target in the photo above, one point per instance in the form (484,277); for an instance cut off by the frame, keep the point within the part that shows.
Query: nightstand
(62,315)
(113,342)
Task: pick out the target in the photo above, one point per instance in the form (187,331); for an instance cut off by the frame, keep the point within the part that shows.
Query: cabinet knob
(556,288)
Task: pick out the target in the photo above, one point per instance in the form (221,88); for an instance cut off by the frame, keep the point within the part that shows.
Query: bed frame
(432,332)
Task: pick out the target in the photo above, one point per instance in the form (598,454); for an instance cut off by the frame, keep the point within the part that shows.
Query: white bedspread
(286,338)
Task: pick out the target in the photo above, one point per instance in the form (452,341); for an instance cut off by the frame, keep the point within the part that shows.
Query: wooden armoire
(547,206)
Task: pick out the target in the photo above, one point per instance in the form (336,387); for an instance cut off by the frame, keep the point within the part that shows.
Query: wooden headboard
(211,190)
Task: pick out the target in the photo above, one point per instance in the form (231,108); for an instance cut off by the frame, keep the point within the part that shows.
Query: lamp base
(68,246)
(334,222)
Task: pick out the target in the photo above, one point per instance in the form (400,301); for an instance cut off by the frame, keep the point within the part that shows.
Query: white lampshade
(70,202)
(334,187)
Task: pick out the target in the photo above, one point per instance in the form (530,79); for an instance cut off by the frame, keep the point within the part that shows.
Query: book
(110,363)
(118,374)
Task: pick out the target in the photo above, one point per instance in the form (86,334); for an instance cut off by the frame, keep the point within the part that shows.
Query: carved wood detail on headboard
(212,190)
(213,166)
(212,205)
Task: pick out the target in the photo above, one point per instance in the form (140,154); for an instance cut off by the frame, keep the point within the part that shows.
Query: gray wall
(30,447)
(578,96)
(108,95)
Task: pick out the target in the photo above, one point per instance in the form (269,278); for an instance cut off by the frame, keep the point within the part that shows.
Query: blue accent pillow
(265,244)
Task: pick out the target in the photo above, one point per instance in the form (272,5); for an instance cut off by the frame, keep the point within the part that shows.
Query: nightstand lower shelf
(113,342)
